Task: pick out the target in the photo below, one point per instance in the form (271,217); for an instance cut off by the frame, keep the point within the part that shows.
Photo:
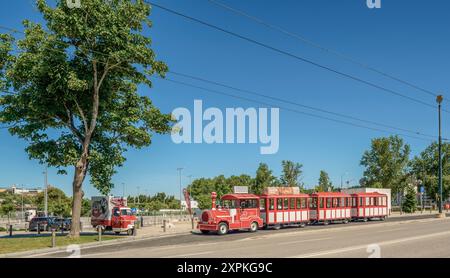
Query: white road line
(364,246)
(188,255)
(306,240)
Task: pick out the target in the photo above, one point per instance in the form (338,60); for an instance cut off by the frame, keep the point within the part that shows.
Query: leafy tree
(263,179)
(426,168)
(324,182)
(86,207)
(75,83)
(7,205)
(291,173)
(58,203)
(385,162)
(409,205)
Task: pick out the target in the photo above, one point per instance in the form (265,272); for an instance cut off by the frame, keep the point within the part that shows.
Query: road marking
(306,240)
(390,230)
(364,246)
(187,255)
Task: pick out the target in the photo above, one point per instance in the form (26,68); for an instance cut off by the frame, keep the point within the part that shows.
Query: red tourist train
(281,207)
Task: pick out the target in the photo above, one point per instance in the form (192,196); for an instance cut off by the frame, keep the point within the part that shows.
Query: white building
(20,190)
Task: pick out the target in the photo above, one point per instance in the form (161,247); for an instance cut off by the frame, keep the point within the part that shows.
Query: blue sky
(408,39)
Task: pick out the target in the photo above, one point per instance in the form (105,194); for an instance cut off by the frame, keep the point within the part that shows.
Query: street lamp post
(46,191)
(439,99)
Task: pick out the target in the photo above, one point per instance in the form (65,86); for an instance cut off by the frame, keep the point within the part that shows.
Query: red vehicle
(112,214)
(367,206)
(285,206)
(278,210)
(236,212)
(328,207)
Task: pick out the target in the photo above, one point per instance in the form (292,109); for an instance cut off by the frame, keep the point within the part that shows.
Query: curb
(42,251)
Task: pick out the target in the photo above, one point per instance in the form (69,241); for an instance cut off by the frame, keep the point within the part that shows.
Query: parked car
(57,223)
(44,223)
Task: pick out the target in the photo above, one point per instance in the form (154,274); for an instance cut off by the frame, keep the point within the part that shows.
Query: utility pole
(439,99)
(138,195)
(179,172)
(46,191)
(23,214)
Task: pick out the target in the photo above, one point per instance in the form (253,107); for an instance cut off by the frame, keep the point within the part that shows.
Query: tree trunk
(80,174)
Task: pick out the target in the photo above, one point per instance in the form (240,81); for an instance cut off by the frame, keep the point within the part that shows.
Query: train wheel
(302,225)
(326,223)
(383,218)
(276,227)
(365,220)
(254,227)
(345,221)
(223,229)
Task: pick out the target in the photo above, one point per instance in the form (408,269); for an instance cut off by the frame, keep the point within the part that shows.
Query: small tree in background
(410,203)
(324,182)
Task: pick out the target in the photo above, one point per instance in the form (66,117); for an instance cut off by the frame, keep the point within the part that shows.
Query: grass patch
(20,243)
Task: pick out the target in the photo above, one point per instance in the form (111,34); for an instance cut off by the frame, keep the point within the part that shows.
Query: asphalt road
(418,236)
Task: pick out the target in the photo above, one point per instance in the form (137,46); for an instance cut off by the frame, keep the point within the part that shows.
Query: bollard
(53,237)
(10,230)
(99,230)
(38,229)
(134,231)
(164,225)
(142,221)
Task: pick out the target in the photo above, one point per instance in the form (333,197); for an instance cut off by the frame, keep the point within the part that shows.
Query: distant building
(27,191)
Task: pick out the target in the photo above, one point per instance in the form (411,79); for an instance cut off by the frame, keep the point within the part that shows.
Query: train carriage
(278,210)
(327,207)
(367,206)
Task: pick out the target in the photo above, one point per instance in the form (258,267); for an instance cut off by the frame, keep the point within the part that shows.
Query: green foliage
(86,207)
(409,204)
(58,203)
(291,173)
(201,188)
(385,162)
(7,205)
(154,203)
(324,182)
(426,168)
(263,179)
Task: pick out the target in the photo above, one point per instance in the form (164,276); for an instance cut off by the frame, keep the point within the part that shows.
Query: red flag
(188,200)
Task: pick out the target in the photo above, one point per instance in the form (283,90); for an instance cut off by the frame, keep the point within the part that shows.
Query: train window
(335,202)
(280,204)
(262,205)
(367,201)
(303,203)
(252,203)
(343,202)
(271,204)
(361,201)
(229,204)
(328,202)
(292,203)
(353,202)
(286,203)
(297,201)
(321,201)
(313,203)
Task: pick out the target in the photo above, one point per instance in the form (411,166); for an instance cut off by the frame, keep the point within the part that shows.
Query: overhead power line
(318,46)
(261,95)
(293,110)
(300,105)
(245,38)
